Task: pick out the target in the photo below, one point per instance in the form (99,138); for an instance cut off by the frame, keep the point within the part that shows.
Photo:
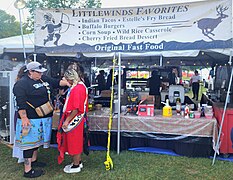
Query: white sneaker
(81,165)
(70,165)
(68,169)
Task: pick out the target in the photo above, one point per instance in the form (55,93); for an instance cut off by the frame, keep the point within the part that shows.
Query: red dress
(72,141)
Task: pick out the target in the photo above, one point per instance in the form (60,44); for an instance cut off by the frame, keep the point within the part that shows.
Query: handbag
(45,108)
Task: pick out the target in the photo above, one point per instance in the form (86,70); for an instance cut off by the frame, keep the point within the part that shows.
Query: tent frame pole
(34,57)
(161,61)
(119,104)
(95,62)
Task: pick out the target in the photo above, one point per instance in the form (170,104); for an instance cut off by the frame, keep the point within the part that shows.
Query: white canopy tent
(14,44)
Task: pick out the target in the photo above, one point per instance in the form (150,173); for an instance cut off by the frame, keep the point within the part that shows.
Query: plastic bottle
(199,107)
(186,111)
(167,109)
(178,106)
(202,111)
(182,111)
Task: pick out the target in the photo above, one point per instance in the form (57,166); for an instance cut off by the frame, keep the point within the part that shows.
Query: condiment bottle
(167,109)
(186,111)
(178,106)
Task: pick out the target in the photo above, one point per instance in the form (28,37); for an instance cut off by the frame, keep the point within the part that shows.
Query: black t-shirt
(101,82)
(87,82)
(27,89)
(154,85)
(172,78)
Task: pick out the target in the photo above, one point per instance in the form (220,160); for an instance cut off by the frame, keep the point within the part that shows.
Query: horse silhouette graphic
(207,25)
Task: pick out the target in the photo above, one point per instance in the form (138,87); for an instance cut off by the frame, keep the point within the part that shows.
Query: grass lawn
(201,91)
(127,165)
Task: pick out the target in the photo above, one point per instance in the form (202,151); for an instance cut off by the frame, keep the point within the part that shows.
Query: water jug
(167,109)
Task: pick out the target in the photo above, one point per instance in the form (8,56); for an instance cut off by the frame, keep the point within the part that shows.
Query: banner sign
(196,25)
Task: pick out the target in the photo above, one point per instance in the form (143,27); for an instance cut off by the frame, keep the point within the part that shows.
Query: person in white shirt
(194,82)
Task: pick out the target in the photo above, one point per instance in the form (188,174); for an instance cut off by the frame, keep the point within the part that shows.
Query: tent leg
(34,57)
(161,60)
(119,104)
(95,62)
(224,112)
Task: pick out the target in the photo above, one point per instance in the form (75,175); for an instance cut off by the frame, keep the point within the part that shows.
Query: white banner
(197,25)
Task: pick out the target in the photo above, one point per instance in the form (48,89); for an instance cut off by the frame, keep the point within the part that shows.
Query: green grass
(201,90)
(127,165)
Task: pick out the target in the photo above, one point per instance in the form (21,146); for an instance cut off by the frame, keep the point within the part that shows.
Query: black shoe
(34,173)
(193,98)
(38,164)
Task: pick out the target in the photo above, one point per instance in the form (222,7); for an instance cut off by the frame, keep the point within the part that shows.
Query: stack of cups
(208,112)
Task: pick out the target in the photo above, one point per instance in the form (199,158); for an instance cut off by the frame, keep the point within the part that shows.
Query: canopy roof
(14,44)
(188,57)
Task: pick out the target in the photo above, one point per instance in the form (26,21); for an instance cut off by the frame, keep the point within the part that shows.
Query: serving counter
(190,137)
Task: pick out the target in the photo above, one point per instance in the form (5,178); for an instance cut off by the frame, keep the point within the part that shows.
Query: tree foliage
(9,26)
(32,5)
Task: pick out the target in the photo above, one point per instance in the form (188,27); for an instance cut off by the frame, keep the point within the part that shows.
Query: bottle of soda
(202,111)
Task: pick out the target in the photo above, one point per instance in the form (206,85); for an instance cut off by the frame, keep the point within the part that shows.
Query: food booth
(162,31)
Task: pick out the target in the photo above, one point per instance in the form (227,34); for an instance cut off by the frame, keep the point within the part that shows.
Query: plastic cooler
(146,110)
(176,91)
(226,138)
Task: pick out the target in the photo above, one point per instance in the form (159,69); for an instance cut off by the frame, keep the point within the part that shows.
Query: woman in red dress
(70,130)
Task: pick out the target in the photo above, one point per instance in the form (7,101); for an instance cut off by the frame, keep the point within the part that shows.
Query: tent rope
(109,163)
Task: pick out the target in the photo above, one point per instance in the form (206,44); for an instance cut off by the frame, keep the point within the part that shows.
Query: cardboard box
(146,106)
(105,93)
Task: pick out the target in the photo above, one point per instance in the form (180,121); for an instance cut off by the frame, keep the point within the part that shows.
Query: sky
(8,5)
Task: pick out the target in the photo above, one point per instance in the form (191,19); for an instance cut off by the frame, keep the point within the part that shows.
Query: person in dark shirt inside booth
(109,80)
(154,83)
(173,77)
(100,79)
